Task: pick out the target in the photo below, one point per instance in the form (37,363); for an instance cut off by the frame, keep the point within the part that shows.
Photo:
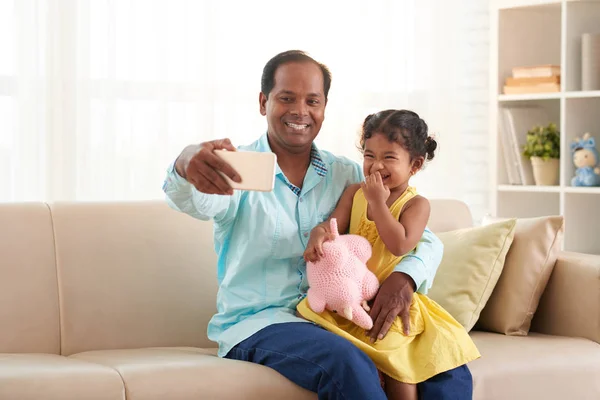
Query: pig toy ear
(333,228)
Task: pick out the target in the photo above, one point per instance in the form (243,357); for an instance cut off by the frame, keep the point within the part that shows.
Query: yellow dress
(436,343)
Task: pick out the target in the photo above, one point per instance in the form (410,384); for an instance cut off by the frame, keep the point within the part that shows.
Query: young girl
(392,216)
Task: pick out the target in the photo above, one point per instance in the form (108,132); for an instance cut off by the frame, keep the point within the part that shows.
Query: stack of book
(533,79)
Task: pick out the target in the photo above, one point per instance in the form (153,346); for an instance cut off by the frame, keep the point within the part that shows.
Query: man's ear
(262,100)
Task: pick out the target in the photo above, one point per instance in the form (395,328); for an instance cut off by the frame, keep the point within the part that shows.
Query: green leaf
(542,141)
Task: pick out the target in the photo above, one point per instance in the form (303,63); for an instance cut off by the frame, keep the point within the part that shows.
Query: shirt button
(305,234)
(301,200)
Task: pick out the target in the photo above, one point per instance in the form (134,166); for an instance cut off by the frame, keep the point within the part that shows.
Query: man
(260,239)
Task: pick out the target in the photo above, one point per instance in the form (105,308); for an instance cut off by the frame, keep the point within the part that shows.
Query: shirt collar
(316,158)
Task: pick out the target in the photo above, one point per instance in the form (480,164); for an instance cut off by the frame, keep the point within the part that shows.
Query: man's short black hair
(267,81)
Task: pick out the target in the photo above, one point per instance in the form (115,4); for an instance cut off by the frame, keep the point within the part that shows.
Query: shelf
(542,32)
(591,94)
(582,115)
(529,96)
(581,17)
(579,189)
(514,4)
(529,188)
(548,189)
(582,95)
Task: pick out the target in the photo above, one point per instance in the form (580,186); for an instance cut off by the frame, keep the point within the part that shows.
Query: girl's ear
(416,165)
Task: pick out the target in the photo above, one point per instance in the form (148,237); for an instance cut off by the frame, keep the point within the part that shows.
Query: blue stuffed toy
(586,159)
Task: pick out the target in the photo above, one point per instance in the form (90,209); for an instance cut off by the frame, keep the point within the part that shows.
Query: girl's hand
(375,191)
(314,248)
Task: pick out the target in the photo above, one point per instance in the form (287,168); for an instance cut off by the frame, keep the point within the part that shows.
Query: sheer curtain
(97,97)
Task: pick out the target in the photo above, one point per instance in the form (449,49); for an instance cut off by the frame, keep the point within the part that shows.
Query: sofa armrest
(570,305)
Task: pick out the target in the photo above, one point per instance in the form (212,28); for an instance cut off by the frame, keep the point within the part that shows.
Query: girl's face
(390,159)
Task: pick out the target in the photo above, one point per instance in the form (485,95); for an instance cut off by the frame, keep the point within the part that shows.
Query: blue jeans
(334,368)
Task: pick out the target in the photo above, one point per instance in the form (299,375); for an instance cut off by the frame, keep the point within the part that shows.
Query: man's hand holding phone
(216,167)
(199,165)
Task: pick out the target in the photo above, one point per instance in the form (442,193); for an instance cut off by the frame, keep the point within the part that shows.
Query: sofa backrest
(29,311)
(89,276)
(449,215)
(132,275)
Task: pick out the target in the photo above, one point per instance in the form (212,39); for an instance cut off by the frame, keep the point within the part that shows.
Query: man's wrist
(179,167)
(410,280)
(182,162)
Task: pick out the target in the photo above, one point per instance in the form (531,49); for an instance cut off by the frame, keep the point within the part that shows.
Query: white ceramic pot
(590,61)
(545,173)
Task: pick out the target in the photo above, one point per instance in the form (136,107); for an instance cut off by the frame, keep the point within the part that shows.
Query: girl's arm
(401,236)
(320,233)
(342,211)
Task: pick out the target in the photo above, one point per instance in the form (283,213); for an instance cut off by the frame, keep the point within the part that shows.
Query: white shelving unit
(530,32)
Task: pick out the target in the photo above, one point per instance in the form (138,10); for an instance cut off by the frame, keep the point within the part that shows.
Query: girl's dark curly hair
(404,127)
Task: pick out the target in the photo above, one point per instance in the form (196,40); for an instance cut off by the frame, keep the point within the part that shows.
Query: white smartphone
(257,169)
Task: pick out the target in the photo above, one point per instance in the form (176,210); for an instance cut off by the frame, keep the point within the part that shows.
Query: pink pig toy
(340,281)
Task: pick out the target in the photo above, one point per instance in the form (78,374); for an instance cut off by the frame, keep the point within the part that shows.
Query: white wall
(460,168)
(474,108)
(101,95)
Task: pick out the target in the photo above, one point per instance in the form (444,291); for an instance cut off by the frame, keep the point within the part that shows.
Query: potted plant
(543,149)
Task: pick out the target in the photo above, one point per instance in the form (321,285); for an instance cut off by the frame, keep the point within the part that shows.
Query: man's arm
(194,185)
(422,263)
(414,272)
(183,196)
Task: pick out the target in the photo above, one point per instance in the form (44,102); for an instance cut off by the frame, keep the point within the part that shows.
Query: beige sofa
(111,301)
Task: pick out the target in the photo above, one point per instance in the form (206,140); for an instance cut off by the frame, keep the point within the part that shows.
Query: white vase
(590,61)
(545,173)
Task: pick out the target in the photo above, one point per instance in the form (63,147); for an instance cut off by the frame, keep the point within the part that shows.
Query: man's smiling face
(295,108)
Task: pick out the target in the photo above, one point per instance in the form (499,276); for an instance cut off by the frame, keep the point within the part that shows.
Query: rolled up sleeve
(183,196)
(422,263)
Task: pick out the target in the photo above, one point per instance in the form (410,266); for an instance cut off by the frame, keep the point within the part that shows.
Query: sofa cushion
(527,269)
(535,367)
(192,373)
(472,263)
(28,285)
(570,305)
(53,377)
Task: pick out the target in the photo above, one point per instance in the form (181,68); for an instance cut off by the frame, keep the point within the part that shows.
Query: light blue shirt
(260,239)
